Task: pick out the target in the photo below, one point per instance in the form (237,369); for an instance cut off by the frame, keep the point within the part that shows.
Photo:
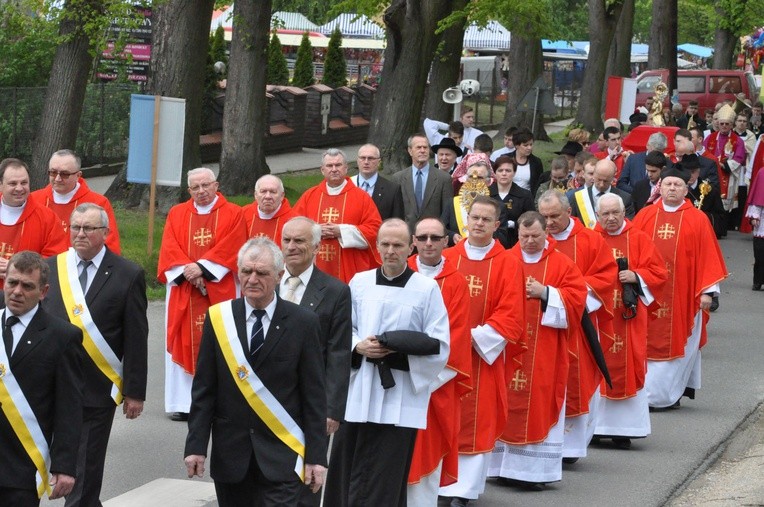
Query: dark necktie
(84,275)
(258,336)
(418,190)
(8,334)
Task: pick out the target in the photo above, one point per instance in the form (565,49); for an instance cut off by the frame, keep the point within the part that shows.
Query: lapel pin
(29,342)
(277,327)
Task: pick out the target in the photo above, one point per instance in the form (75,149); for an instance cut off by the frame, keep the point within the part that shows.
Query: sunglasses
(432,237)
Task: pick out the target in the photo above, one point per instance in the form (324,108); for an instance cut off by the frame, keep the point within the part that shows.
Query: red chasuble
(537,388)
(440,441)
(190,237)
(64,211)
(271,227)
(626,350)
(351,206)
(694,262)
(497,291)
(589,252)
(38,229)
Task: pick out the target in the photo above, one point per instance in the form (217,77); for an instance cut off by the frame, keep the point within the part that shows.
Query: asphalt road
(683,444)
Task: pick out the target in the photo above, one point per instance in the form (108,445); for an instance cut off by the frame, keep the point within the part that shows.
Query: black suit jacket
(329,298)
(117,301)
(47,365)
(712,207)
(627,202)
(514,204)
(290,366)
(641,194)
(387,196)
(438,194)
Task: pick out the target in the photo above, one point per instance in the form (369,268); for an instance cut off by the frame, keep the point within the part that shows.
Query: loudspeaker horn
(452,95)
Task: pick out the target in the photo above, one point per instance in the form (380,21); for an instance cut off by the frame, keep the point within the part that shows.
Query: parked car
(708,87)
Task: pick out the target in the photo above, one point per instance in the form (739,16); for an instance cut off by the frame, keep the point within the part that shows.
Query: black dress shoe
(179,416)
(756,286)
(569,461)
(714,303)
(689,392)
(528,486)
(622,443)
(459,502)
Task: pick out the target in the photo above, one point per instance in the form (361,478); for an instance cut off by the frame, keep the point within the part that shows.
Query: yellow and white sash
(461,216)
(265,405)
(95,344)
(586,208)
(24,423)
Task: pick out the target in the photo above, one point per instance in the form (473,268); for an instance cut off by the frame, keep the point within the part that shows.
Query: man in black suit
(259,389)
(708,164)
(427,191)
(648,190)
(306,285)
(106,297)
(45,372)
(385,193)
(604,174)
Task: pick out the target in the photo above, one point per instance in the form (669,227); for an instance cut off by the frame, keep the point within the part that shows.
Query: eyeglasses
(432,237)
(202,186)
(87,229)
(61,174)
(367,159)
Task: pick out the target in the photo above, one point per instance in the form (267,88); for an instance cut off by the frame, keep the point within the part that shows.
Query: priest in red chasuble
(497,322)
(68,189)
(197,261)
(24,223)
(348,217)
(677,329)
(529,451)
(589,252)
(623,411)
(436,450)
(270,211)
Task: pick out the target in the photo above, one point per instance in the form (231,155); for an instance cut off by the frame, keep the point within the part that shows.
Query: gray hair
(68,153)
(200,171)
(315,229)
(610,196)
(412,136)
(657,141)
(553,195)
(87,206)
(559,163)
(254,248)
(261,178)
(333,152)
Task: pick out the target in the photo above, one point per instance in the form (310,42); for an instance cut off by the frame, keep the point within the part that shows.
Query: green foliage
(303,67)
(27,46)
(278,73)
(335,69)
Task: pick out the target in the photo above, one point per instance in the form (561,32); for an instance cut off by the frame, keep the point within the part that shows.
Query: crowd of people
(382,340)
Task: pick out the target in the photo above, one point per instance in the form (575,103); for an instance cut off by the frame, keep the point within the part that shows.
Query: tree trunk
(724,45)
(526,64)
(603,17)
(619,58)
(411,43)
(65,96)
(242,160)
(662,52)
(446,67)
(178,57)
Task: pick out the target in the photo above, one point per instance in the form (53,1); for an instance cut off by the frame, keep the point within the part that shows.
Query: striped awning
(293,21)
(492,36)
(353,25)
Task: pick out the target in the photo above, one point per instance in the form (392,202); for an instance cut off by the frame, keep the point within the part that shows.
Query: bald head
(604,174)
